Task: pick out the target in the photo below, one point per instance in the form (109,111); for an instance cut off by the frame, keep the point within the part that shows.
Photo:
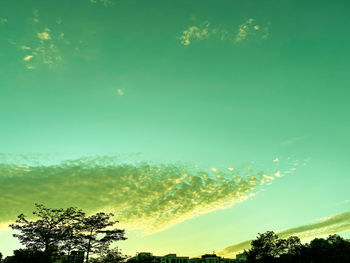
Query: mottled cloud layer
(144,196)
(249,30)
(328,226)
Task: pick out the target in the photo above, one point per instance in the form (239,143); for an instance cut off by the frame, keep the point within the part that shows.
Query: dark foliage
(52,228)
(28,256)
(268,248)
(110,256)
(59,232)
(142,258)
(96,234)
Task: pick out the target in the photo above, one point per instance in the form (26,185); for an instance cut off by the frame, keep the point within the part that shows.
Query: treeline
(70,236)
(269,248)
(64,236)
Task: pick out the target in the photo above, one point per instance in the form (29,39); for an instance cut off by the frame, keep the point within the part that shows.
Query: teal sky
(184,86)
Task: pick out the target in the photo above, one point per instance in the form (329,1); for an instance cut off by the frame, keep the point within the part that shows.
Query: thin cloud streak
(327,226)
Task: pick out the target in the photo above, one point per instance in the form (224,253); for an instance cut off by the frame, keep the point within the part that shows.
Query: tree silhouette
(65,230)
(49,230)
(28,256)
(142,258)
(269,248)
(110,256)
(97,233)
(265,247)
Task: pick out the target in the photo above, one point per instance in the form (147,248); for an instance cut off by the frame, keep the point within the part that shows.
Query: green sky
(198,122)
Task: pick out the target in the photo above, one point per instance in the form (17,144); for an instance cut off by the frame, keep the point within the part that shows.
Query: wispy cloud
(120,92)
(45,35)
(35,17)
(25,48)
(327,226)
(3,20)
(43,47)
(144,196)
(293,140)
(251,30)
(195,33)
(104,2)
(248,30)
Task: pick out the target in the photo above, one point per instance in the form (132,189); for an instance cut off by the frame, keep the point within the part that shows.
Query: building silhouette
(211,258)
(147,257)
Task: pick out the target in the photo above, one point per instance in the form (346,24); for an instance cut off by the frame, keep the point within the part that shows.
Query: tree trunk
(88,248)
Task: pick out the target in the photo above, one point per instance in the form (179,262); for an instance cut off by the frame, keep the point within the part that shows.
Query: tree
(97,233)
(0,257)
(28,256)
(265,247)
(71,238)
(65,230)
(269,248)
(333,249)
(110,256)
(293,245)
(49,230)
(142,258)
(295,252)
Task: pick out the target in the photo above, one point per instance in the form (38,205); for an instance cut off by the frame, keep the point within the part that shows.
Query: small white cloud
(35,18)
(120,92)
(268,177)
(27,58)
(244,30)
(3,20)
(276,160)
(215,170)
(25,48)
(45,35)
(230,169)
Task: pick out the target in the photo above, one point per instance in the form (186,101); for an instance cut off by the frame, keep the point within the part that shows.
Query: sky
(198,123)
